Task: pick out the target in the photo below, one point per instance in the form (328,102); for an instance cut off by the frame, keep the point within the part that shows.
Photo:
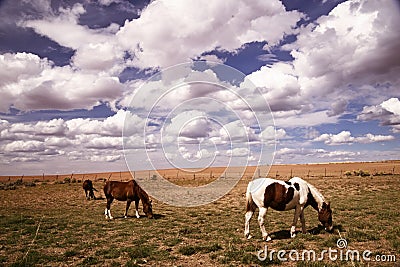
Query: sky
(112,85)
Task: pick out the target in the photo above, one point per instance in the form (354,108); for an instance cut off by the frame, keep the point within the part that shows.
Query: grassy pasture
(52,224)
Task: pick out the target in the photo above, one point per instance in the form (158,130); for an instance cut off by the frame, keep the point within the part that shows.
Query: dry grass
(52,224)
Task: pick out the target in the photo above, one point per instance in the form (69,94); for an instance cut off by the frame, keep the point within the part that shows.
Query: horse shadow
(319,229)
(280,235)
(155,217)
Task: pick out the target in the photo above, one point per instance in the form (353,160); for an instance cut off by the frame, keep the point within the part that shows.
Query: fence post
(325,173)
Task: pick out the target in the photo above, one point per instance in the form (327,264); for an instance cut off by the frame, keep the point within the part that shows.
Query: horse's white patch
(108,214)
(293,231)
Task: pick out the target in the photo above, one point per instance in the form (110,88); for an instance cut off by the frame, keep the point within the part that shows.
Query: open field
(51,223)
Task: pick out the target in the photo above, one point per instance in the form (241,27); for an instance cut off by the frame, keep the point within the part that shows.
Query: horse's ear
(324,205)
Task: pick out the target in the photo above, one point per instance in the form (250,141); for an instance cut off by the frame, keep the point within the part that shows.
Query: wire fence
(282,172)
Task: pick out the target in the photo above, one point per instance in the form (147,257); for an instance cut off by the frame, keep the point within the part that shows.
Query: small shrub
(67,180)
(29,184)
(361,173)
(348,173)
(364,173)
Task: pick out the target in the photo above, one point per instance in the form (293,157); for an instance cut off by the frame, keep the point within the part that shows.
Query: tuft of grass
(188,250)
(140,252)
(109,253)
(172,242)
(90,261)
(70,253)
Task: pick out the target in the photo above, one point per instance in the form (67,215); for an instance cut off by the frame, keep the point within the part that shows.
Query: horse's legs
(91,194)
(107,212)
(128,203)
(303,222)
(137,207)
(298,211)
(247,216)
(261,215)
(86,194)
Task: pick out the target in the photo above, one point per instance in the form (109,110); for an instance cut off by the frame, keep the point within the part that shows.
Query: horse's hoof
(267,238)
(249,237)
(293,235)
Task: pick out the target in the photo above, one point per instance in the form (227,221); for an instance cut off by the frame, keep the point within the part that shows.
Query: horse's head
(148,209)
(325,216)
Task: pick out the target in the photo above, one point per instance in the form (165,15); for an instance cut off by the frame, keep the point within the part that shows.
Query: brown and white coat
(296,194)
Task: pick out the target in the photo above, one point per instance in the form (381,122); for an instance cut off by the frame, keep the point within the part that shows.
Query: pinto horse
(88,187)
(127,191)
(294,194)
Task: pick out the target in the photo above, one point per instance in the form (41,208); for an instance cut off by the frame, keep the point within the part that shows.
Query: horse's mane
(141,191)
(316,194)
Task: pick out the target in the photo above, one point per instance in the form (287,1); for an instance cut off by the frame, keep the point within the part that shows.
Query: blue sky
(72,74)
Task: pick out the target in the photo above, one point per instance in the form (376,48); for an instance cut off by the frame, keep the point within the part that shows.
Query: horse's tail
(250,205)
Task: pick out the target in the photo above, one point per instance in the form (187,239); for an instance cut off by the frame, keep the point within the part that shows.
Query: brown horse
(127,191)
(88,187)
